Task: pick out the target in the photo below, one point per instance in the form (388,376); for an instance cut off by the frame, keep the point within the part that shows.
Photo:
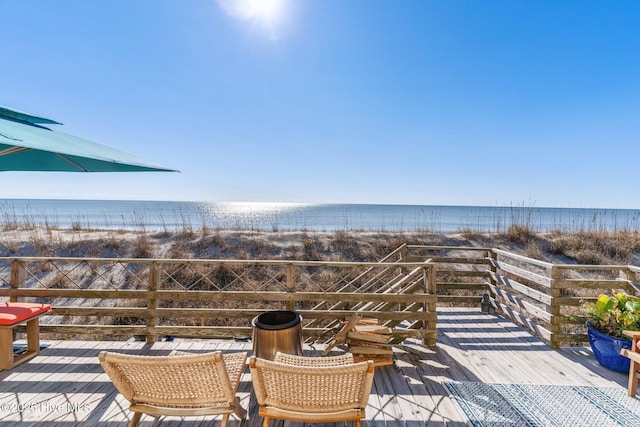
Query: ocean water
(168,215)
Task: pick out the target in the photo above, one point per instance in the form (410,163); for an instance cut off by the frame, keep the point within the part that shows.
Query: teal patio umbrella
(26,144)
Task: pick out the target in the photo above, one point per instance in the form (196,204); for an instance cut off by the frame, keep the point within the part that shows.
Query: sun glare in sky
(264,15)
(262,11)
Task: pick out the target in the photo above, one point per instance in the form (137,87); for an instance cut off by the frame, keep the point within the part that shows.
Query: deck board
(472,346)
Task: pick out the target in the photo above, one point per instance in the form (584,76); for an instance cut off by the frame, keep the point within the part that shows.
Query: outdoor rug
(544,405)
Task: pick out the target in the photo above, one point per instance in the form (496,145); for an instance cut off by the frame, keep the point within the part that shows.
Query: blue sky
(338,101)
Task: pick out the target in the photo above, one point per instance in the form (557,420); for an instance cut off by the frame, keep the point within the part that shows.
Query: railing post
(554,308)
(493,257)
(15,278)
(291,285)
(630,277)
(403,252)
(152,302)
(486,304)
(14,283)
(429,277)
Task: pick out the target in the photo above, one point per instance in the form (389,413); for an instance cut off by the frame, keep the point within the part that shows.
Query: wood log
(358,343)
(371,350)
(376,338)
(378,360)
(373,329)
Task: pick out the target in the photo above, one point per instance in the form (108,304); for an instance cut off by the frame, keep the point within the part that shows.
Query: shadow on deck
(65,385)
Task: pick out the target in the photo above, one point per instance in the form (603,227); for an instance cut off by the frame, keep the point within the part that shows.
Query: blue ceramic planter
(607,350)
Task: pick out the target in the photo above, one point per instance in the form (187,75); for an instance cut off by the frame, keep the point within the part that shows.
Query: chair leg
(238,409)
(225,420)
(135,419)
(265,422)
(633,378)
(357,423)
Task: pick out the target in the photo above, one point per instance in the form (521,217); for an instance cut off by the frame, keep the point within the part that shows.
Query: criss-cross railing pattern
(210,298)
(218,298)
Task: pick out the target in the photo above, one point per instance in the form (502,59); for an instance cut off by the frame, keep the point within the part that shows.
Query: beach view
(328,212)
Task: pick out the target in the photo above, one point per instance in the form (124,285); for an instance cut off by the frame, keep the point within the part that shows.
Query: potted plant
(608,317)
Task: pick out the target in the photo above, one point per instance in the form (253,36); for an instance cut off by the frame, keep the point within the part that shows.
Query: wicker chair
(634,355)
(311,392)
(180,385)
(292,359)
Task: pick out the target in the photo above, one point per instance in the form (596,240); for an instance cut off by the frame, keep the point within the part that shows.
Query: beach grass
(560,246)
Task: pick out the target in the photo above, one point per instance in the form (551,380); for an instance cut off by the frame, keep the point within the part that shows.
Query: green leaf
(605,303)
(632,306)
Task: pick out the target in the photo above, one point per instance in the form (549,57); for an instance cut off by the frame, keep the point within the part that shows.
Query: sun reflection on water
(253,215)
(258,207)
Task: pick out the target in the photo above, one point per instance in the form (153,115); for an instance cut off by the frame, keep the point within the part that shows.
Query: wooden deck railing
(104,297)
(461,273)
(218,298)
(543,297)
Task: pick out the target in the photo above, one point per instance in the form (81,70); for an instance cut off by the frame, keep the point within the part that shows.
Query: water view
(168,215)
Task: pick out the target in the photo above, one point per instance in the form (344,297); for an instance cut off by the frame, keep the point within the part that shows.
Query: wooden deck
(65,385)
